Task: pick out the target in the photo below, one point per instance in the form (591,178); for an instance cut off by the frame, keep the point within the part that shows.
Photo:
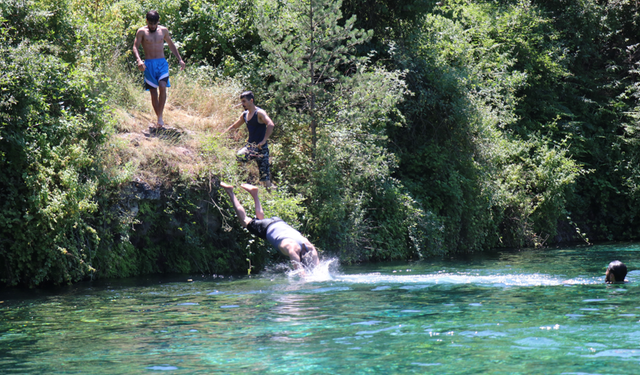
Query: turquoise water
(527,312)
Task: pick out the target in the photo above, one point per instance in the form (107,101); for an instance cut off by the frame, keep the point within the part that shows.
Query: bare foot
(250,188)
(226,187)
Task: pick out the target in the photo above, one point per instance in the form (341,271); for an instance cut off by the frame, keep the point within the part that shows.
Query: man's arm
(265,119)
(288,248)
(174,50)
(136,44)
(235,125)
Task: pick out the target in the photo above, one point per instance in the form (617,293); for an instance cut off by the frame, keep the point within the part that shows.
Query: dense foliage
(403,129)
(50,123)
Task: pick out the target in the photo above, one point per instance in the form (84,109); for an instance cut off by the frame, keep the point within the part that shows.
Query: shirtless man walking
(280,234)
(155,66)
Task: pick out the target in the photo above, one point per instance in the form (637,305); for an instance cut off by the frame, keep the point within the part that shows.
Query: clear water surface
(514,312)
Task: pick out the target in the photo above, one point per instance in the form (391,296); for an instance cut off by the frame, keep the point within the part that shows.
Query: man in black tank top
(260,128)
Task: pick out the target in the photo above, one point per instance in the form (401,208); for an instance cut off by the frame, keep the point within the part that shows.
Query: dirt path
(177,152)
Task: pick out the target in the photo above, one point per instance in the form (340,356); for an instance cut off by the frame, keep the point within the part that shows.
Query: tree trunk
(314,124)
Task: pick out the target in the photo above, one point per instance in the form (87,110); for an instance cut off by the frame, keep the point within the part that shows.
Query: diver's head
(616,272)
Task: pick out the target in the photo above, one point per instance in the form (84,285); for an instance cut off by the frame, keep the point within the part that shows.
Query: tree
(311,57)
(319,81)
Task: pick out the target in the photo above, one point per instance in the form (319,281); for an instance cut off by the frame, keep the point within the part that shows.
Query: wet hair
(618,269)
(153,16)
(247,95)
(309,256)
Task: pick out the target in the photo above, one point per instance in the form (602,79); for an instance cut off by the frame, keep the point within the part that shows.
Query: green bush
(50,127)
(358,211)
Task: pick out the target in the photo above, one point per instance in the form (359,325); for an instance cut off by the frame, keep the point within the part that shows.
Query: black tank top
(256,129)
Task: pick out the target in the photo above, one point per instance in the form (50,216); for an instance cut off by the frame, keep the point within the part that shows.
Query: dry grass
(199,112)
(205,108)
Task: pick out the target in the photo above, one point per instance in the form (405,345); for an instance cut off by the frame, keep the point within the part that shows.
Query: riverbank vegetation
(404,130)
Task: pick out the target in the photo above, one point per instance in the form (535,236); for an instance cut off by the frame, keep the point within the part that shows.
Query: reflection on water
(510,312)
(293,308)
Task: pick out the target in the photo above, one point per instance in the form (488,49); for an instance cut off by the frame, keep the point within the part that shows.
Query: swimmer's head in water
(616,272)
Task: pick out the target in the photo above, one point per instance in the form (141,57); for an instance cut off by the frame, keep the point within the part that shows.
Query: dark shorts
(259,227)
(261,155)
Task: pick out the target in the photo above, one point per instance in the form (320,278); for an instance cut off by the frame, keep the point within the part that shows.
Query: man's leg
(242,215)
(243,154)
(154,100)
(264,167)
(253,190)
(162,99)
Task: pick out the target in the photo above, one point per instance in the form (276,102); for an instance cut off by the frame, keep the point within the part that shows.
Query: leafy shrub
(50,126)
(469,64)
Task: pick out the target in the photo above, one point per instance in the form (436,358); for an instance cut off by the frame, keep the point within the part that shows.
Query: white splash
(534,279)
(327,270)
(322,271)
(319,273)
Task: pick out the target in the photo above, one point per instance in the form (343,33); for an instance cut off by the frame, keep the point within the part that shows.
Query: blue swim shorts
(156,70)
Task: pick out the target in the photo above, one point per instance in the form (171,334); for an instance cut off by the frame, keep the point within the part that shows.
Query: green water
(527,312)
